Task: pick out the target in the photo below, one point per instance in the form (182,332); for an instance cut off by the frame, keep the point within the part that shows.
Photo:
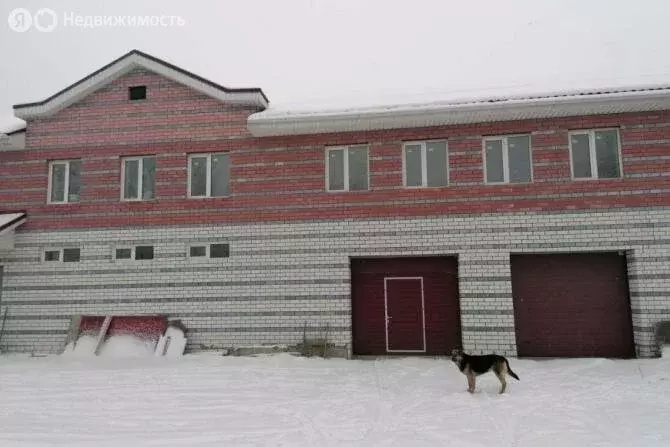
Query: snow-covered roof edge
(13,129)
(11,220)
(462,111)
(123,65)
(10,125)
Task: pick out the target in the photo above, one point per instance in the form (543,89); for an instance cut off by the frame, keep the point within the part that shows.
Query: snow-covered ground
(282,400)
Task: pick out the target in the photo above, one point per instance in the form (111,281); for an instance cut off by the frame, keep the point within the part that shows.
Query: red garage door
(405,305)
(572,305)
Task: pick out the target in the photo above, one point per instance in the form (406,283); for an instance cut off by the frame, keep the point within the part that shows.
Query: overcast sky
(329,53)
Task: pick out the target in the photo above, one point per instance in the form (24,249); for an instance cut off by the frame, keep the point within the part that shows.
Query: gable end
(125,64)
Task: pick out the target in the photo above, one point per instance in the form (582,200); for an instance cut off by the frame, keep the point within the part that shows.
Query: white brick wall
(253,297)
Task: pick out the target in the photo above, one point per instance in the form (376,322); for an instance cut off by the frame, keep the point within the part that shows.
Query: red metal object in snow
(143,326)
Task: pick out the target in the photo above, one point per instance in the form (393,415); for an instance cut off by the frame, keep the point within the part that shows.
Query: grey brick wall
(281,276)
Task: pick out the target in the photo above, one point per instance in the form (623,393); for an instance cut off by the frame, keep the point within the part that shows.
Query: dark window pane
(123,253)
(58,182)
(52,255)
(607,154)
(75,181)
(358,168)
(494,161)
(71,255)
(518,152)
(137,93)
(336,170)
(413,172)
(436,163)
(148,178)
(198,176)
(130,179)
(144,252)
(219,251)
(220,175)
(197,252)
(581,155)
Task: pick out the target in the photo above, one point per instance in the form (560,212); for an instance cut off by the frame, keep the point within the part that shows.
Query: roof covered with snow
(9,221)
(10,125)
(462,110)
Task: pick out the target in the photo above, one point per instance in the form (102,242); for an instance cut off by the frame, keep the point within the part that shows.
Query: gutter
(268,123)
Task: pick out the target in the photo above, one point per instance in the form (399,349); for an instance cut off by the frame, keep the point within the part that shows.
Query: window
(139,253)
(64,181)
(198,251)
(144,252)
(219,251)
(209,251)
(209,175)
(347,168)
(138,178)
(124,253)
(507,159)
(52,255)
(71,255)
(425,164)
(138,92)
(64,255)
(595,154)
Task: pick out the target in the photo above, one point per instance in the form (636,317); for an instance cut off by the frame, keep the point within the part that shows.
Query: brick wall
(290,239)
(281,276)
(282,178)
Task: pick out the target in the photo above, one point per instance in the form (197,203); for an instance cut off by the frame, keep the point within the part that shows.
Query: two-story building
(531,226)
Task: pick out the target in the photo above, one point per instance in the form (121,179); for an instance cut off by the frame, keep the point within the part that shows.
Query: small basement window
(144,252)
(198,251)
(219,251)
(137,92)
(209,251)
(52,255)
(123,253)
(139,253)
(71,255)
(63,255)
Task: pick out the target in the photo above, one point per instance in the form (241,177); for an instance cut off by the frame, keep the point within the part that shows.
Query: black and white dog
(475,365)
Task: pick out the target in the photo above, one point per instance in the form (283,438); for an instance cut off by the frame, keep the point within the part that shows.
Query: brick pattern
(282,178)
(290,239)
(281,276)
(171,112)
(486,297)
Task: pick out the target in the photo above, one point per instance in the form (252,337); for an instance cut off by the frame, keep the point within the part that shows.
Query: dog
(476,365)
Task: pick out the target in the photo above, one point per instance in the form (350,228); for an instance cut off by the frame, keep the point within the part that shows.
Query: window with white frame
(507,159)
(138,253)
(123,253)
(64,181)
(209,175)
(595,154)
(425,164)
(138,178)
(52,256)
(347,168)
(209,251)
(62,255)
